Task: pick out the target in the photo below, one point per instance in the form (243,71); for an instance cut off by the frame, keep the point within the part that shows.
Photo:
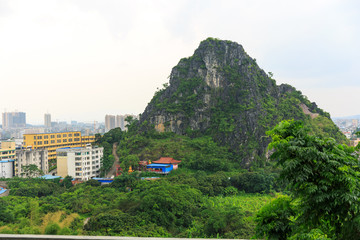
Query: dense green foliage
(164,208)
(323,178)
(106,141)
(210,195)
(275,219)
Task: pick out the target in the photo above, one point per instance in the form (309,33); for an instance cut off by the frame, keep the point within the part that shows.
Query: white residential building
(7,168)
(79,163)
(38,157)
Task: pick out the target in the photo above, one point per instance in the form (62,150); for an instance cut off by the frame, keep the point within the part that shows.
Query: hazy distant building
(120,121)
(355,123)
(47,120)
(109,122)
(38,157)
(34,130)
(13,120)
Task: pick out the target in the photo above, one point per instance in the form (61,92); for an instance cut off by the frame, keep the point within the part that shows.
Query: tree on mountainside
(322,176)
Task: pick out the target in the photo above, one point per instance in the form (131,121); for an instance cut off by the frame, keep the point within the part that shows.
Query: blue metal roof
(104,180)
(70,148)
(7,160)
(157,165)
(49,177)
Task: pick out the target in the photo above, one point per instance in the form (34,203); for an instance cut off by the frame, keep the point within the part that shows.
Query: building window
(46,137)
(52,136)
(34,137)
(77,139)
(64,140)
(46,142)
(59,141)
(64,135)
(70,135)
(39,142)
(61,153)
(52,141)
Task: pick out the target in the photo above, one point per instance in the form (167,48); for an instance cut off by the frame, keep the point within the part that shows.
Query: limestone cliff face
(222,92)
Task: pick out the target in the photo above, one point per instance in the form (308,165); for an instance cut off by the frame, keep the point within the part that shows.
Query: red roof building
(168,160)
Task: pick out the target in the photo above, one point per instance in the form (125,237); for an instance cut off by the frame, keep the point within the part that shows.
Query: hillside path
(112,171)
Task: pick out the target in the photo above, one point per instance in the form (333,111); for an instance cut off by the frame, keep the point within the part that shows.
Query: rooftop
(167,160)
(7,160)
(49,177)
(154,165)
(52,133)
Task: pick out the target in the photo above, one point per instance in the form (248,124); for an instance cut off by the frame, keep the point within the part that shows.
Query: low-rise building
(163,166)
(80,163)
(7,168)
(38,157)
(8,157)
(168,160)
(160,168)
(7,150)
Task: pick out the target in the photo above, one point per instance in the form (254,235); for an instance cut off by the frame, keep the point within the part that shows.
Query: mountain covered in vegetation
(221,92)
(218,115)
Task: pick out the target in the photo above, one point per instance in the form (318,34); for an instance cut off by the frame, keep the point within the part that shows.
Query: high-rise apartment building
(47,120)
(119,121)
(109,122)
(79,163)
(13,120)
(53,141)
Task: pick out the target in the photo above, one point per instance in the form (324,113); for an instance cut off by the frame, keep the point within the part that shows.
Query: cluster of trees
(322,178)
(168,207)
(209,196)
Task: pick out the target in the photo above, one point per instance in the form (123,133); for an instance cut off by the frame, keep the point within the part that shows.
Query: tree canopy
(322,176)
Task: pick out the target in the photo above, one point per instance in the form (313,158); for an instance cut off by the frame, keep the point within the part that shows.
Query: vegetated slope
(221,92)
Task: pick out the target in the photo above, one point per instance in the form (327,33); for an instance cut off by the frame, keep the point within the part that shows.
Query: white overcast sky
(80,60)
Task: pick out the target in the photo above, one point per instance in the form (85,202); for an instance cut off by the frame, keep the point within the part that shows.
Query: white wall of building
(38,157)
(6,168)
(83,163)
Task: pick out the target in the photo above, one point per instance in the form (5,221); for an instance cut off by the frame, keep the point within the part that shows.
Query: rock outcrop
(222,92)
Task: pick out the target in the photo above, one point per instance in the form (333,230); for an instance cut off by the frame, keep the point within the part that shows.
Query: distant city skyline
(80,60)
(48,117)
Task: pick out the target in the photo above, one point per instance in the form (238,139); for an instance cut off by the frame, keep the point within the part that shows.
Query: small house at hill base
(160,168)
(168,160)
